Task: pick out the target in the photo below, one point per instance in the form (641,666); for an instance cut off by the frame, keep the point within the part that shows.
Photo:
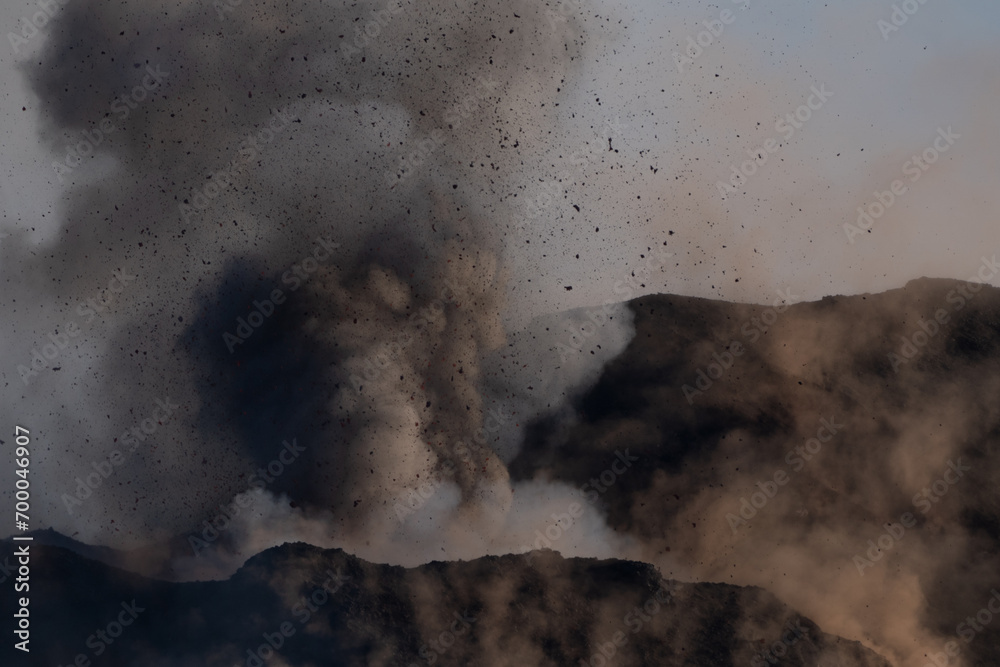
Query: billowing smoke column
(288,226)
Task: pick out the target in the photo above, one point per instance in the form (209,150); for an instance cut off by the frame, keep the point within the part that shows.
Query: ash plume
(306,212)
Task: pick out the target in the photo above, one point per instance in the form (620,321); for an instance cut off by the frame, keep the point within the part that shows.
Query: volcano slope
(299,605)
(840,453)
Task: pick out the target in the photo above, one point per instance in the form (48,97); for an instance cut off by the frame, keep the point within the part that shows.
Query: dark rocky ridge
(546,611)
(903,420)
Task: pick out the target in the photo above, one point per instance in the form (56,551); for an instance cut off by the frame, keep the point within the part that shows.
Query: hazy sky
(889,98)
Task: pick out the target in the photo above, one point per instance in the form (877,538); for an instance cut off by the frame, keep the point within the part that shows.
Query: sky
(889,98)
